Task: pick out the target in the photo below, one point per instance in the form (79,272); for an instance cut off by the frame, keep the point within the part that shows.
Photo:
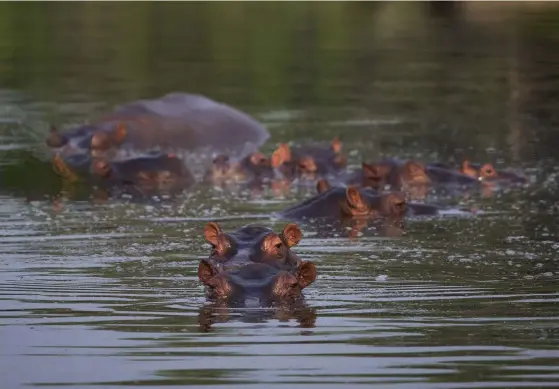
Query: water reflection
(102,292)
(215,313)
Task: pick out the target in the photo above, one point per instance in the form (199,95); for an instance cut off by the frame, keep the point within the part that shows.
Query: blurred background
(450,75)
(107,294)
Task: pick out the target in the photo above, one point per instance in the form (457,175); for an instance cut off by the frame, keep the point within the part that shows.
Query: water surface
(105,294)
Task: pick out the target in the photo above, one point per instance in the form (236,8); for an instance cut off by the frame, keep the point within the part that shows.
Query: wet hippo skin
(350,202)
(174,121)
(153,174)
(337,202)
(254,263)
(487,173)
(308,161)
(255,167)
(396,175)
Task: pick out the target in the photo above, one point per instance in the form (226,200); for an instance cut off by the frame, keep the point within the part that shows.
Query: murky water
(106,294)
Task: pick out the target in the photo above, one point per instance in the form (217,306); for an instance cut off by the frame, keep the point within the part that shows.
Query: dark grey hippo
(175,122)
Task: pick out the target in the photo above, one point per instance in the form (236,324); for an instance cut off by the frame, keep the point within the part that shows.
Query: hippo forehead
(250,235)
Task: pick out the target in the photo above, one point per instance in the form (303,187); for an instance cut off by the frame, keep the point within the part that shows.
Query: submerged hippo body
(177,121)
(254,263)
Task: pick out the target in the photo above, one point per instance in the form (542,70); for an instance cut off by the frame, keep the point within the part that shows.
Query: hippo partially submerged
(254,263)
(255,167)
(308,161)
(148,175)
(174,122)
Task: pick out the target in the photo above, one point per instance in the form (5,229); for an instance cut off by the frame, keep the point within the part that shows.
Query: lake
(105,294)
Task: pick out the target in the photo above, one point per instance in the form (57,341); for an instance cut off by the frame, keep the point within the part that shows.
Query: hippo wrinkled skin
(173,122)
(254,263)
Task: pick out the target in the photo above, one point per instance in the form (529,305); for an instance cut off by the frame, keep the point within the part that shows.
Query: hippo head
(103,142)
(375,175)
(223,169)
(254,262)
(485,172)
(414,173)
(255,164)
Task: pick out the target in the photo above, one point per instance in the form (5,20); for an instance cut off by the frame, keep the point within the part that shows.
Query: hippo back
(215,125)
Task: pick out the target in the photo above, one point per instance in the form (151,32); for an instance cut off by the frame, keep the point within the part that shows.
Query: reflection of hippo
(176,121)
(220,312)
(254,263)
(308,161)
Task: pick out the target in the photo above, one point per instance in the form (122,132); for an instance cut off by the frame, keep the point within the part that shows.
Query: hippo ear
(211,232)
(281,155)
(306,274)
(292,234)
(322,185)
(119,133)
(61,168)
(487,171)
(353,197)
(206,272)
(337,145)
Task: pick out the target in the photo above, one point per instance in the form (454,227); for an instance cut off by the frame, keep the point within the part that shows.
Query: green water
(105,294)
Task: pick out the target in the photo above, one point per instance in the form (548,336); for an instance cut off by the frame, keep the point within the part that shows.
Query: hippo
(254,167)
(487,173)
(254,263)
(309,161)
(350,202)
(173,122)
(148,175)
(357,203)
(394,174)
